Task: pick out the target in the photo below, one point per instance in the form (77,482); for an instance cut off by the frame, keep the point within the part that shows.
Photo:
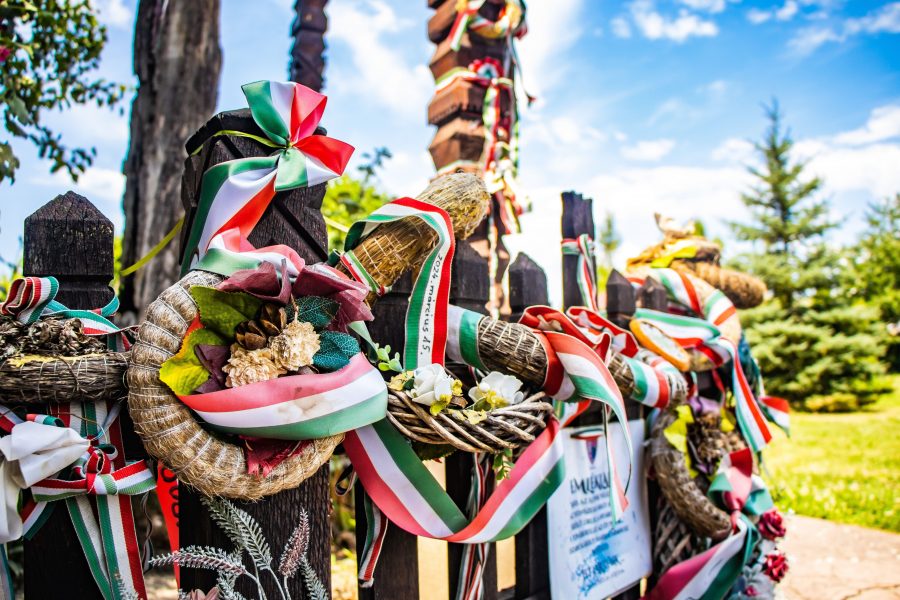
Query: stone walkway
(830,561)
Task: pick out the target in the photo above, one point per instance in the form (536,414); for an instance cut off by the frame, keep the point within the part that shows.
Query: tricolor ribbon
(510,22)
(711,574)
(586,270)
(500,158)
(656,380)
(702,335)
(235,194)
(75,455)
(31,298)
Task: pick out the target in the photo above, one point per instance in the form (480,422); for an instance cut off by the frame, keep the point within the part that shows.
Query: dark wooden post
(71,240)
(620,299)
(397,572)
(469,289)
(577,219)
(652,295)
(528,287)
(307,53)
(293,218)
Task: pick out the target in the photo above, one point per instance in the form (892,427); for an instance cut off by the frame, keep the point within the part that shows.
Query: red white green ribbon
(426,317)
(235,194)
(95,491)
(510,21)
(586,271)
(297,407)
(710,575)
(703,335)
(777,410)
(31,298)
(656,380)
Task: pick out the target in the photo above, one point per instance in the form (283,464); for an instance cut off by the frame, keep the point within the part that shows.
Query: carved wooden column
(456,109)
(308,50)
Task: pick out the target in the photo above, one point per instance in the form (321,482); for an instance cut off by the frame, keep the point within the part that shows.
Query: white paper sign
(590,557)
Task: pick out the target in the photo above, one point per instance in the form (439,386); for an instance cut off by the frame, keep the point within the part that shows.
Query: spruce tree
(788,220)
(815,346)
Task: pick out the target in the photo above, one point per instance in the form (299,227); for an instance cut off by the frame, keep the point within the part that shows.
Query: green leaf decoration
(335,350)
(318,311)
(183,373)
(221,312)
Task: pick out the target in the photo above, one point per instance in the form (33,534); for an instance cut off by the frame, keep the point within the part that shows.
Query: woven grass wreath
(201,453)
(682,490)
(52,360)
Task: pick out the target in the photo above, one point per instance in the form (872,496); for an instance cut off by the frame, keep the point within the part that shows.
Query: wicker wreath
(680,490)
(170,431)
(502,429)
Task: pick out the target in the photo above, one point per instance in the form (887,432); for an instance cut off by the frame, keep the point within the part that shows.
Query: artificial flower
(401,381)
(250,366)
(775,566)
(771,525)
(433,387)
(4,53)
(496,390)
(295,346)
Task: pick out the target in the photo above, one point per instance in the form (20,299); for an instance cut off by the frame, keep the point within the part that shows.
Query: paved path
(830,561)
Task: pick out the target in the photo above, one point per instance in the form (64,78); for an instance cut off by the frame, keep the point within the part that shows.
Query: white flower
(295,346)
(496,390)
(432,384)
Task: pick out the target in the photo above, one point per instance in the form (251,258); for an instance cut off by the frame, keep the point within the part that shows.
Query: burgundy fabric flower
(4,53)
(775,566)
(771,525)
(751,592)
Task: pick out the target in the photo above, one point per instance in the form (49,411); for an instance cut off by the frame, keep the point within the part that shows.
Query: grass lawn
(841,467)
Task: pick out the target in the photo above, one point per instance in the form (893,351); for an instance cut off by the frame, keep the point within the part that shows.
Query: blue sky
(644,105)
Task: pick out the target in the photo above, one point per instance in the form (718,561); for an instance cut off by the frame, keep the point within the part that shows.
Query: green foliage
(787,220)
(48,49)
(184,373)
(348,200)
(841,467)
(221,312)
(335,350)
(818,360)
(873,275)
(609,240)
(316,311)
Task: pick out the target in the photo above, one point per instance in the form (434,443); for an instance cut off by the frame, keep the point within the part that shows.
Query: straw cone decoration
(396,247)
(744,290)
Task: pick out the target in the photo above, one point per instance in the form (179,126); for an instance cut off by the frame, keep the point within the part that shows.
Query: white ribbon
(31,453)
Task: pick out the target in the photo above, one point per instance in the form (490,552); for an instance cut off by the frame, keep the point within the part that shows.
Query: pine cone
(255,333)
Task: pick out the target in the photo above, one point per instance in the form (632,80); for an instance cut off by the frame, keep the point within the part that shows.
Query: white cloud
(648,150)
(733,150)
(115,13)
(785,12)
(620,28)
(713,6)
(885,19)
(553,27)
(381,69)
(655,26)
(95,184)
(883,124)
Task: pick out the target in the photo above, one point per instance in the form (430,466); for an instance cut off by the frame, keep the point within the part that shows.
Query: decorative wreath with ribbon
(510,22)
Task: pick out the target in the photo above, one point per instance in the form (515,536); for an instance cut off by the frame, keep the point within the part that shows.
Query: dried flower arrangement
(251,557)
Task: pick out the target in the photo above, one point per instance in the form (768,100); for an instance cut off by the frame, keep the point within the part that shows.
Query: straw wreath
(681,491)
(209,462)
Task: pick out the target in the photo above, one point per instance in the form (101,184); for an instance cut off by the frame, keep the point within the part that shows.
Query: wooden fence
(70,239)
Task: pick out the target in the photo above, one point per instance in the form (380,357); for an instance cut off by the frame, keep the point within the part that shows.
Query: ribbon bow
(235,194)
(712,573)
(32,452)
(31,298)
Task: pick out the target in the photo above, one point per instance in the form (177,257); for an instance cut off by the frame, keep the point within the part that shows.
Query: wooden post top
(68,238)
